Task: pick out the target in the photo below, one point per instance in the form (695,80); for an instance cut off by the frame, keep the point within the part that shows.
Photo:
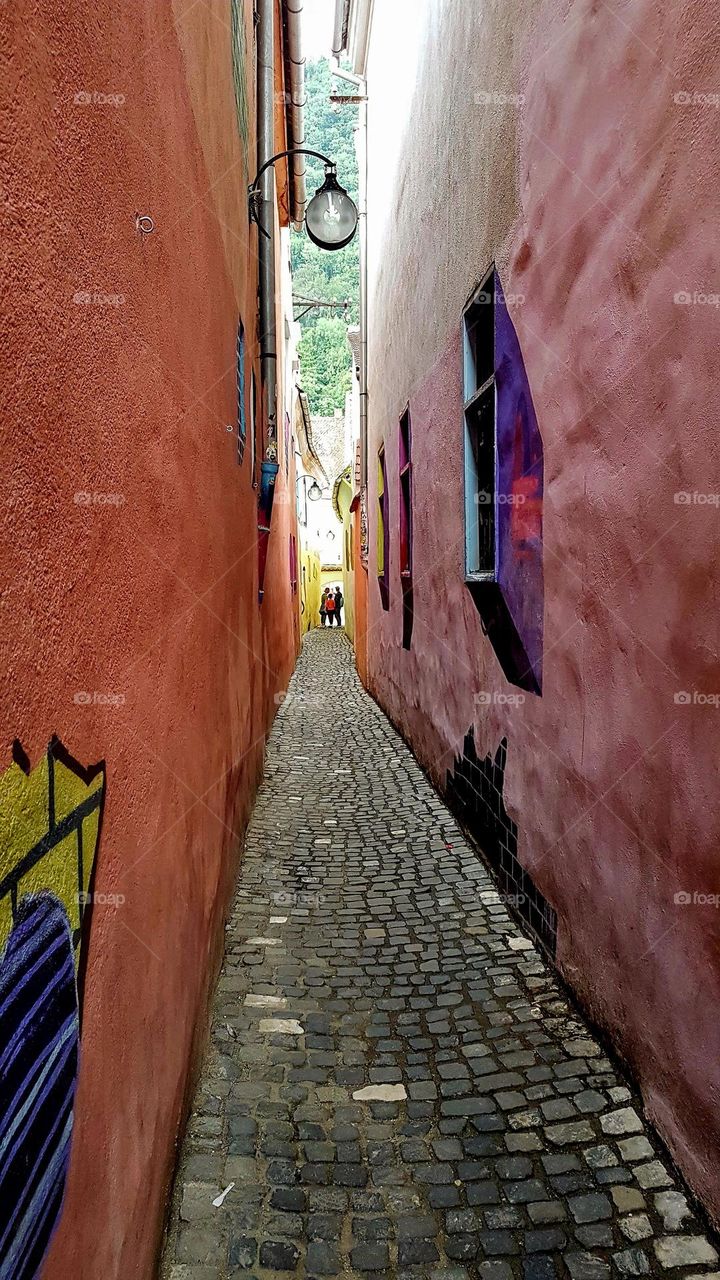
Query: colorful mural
(50,821)
(512,606)
(520,494)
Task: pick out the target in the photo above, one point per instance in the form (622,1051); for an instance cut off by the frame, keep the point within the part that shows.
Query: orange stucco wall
(145,586)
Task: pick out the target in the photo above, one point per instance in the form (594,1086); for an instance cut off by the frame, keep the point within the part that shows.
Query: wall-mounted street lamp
(314,492)
(331,217)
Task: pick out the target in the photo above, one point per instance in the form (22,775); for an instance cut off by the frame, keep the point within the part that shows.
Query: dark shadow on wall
(475,793)
(503,635)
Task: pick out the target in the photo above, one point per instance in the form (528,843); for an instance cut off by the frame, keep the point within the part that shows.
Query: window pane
(480,485)
(240,381)
(479,345)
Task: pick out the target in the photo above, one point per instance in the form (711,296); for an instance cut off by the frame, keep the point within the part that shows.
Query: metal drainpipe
(266,259)
(296,112)
(361,84)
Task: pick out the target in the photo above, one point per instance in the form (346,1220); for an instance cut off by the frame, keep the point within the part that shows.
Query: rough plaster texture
(598,197)
(151,594)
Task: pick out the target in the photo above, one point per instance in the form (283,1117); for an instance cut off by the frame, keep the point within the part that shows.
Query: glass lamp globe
(314,492)
(331,218)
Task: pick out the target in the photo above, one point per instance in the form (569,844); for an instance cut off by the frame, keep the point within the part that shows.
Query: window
(479,429)
(405,496)
(253,428)
(240,381)
(383,567)
(293,565)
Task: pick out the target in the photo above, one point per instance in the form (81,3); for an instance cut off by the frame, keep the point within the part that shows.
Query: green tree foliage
(325,364)
(327,276)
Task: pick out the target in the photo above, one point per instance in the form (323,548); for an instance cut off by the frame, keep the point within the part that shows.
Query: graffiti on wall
(512,607)
(475,791)
(520,483)
(50,819)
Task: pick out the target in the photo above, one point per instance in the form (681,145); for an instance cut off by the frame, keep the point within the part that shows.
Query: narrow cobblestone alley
(396,1085)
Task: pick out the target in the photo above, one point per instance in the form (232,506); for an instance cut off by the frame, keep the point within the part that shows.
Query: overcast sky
(317,19)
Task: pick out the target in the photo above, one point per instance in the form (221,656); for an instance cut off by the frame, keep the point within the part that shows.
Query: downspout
(295,111)
(362,158)
(295,118)
(266,260)
(340,28)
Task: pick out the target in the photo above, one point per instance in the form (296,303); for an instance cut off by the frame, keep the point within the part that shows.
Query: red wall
(612,782)
(152,596)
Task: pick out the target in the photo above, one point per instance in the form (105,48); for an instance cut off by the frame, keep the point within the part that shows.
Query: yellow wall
(310,588)
(29,820)
(344,498)
(331,578)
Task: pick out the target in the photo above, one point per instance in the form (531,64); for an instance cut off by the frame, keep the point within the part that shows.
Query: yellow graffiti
(49,827)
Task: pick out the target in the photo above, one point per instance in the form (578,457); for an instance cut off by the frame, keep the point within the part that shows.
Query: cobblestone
(395,1084)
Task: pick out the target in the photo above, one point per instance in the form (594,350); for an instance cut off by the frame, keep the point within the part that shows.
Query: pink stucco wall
(596,192)
(151,595)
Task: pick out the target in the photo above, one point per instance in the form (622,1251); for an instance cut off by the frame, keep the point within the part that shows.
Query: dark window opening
(406,525)
(293,565)
(253,428)
(382,547)
(480,476)
(479,427)
(240,382)
(405,496)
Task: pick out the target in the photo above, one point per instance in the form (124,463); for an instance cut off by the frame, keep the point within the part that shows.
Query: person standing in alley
(339,602)
(330,606)
(323,610)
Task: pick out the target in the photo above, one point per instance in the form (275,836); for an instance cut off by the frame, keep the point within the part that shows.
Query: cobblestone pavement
(396,1085)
